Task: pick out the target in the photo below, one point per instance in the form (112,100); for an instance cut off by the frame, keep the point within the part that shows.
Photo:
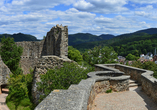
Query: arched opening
(4,89)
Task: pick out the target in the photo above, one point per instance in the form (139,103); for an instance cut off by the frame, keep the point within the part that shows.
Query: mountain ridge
(88,40)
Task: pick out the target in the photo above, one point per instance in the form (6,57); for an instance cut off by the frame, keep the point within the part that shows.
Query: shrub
(25,102)
(20,90)
(61,78)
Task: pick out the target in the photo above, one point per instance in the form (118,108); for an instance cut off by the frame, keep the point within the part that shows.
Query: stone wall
(43,64)
(81,96)
(31,52)
(4,73)
(102,84)
(144,77)
(55,43)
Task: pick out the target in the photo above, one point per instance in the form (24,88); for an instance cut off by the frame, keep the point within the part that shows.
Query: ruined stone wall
(31,49)
(31,52)
(56,42)
(4,73)
(43,64)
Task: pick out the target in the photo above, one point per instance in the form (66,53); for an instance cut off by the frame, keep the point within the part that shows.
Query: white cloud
(84,5)
(147,8)
(141,13)
(101,6)
(119,24)
(144,1)
(17,6)
(1,2)
(40,22)
(40,19)
(102,19)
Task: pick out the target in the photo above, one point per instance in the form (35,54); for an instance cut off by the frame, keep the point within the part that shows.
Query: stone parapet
(86,90)
(142,76)
(80,96)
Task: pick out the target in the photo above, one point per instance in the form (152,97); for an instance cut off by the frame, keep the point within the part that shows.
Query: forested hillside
(120,39)
(20,37)
(79,38)
(137,47)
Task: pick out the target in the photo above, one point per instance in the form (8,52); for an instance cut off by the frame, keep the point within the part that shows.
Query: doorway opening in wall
(4,88)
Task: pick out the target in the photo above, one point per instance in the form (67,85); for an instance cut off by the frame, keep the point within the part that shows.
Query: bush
(20,90)
(25,102)
(61,78)
(74,54)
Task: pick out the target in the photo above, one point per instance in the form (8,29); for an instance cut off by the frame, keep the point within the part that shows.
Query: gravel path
(134,99)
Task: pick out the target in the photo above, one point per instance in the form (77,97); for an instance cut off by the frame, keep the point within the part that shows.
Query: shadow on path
(150,104)
(135,99)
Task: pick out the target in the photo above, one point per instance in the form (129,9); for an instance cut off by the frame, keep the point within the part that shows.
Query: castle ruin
(55,44)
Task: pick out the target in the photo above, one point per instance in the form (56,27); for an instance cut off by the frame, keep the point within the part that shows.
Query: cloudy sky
(37,17)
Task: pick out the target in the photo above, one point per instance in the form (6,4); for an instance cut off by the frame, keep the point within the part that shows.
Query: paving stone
(128,100)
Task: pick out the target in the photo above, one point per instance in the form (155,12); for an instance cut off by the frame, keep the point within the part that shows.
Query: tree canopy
(74,54)
(131,57)
(10,54)
(99,55)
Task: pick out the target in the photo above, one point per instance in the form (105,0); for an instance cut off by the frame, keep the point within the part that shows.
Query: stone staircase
(133,84)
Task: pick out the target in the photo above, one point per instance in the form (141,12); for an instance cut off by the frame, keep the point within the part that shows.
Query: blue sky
(37,17)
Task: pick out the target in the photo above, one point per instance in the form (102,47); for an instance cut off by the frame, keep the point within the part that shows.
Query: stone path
(134,99)
(3,96)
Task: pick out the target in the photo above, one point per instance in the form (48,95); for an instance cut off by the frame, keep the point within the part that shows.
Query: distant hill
(120,39)
(106,36)
(84,41)
(79,38)
(148,31)
(20,37)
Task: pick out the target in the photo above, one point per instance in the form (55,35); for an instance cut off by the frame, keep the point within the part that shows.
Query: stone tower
(56,42)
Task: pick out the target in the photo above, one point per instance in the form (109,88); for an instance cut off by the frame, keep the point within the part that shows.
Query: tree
(131,57)
(74,54)
(147,65)
(99,55)
(10,54)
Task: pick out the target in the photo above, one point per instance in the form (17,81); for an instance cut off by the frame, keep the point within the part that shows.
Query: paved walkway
(3,96)
(134,99)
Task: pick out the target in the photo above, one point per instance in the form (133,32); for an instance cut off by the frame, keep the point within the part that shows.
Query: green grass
(109,91)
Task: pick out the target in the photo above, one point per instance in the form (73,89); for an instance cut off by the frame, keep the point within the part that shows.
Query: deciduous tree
(10,54)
